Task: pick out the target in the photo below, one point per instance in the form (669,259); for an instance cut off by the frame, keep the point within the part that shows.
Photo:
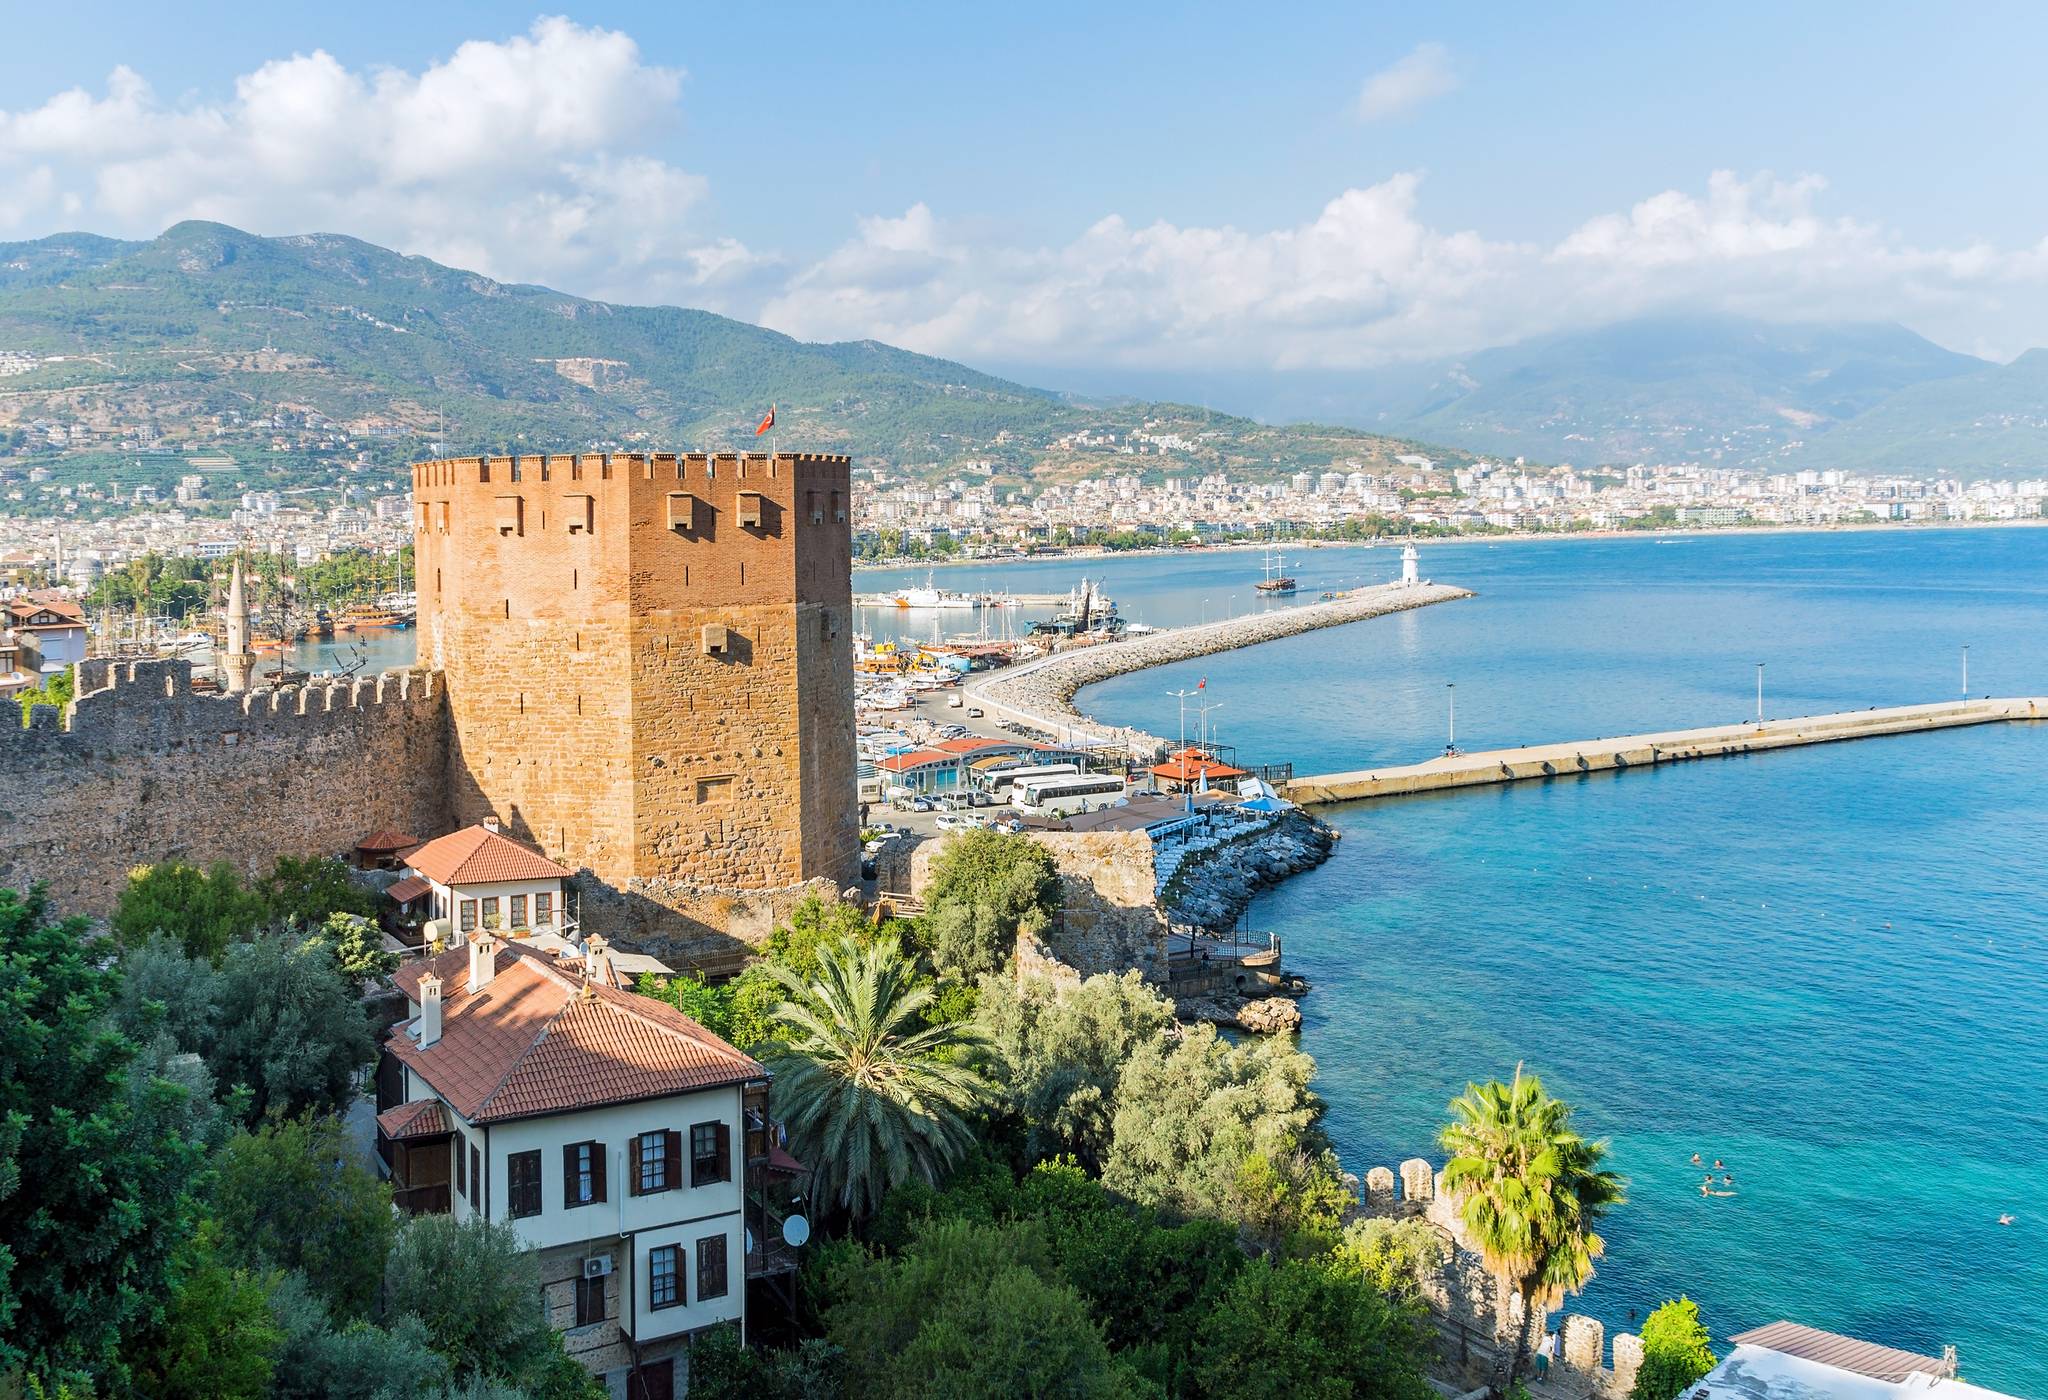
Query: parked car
(922,804)
(974,714)
(949,822)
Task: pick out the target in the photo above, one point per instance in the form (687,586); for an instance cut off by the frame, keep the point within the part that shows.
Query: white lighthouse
(1410,575)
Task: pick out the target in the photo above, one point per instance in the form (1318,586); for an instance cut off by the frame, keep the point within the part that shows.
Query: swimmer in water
(2005,1220)
(1717,1164)
(1727,1181)
(1695,1159)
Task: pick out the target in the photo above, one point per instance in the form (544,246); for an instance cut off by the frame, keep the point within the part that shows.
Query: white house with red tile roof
(621,1140)
(50,627)
(477,874)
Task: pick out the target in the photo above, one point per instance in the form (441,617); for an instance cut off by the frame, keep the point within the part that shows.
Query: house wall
(502,891)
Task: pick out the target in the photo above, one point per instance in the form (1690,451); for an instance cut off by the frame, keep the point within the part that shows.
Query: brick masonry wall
(150,771)
(650,665)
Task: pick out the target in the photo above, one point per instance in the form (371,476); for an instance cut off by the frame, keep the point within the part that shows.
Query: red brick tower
(648,662)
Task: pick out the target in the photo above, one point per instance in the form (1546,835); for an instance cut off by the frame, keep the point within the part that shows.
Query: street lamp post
(1759,694)
(1966,670)
(1451,692)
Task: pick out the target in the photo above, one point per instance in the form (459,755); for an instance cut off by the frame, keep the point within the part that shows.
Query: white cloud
(521,158)
(1421,75)
(1368,280)
(544,157)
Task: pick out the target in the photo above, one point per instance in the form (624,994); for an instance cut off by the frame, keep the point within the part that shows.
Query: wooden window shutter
(672,1161)
(569,1174)
(634,1146)
(597,1182)
(725,1152)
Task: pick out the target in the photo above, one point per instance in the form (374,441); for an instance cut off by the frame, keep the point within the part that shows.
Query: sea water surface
(1826,967)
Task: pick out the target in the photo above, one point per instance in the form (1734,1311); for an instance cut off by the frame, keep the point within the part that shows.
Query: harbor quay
(1040,694)
(1456,770)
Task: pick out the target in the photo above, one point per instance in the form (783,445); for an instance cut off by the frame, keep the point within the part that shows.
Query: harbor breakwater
(1650,750)
(1041,693)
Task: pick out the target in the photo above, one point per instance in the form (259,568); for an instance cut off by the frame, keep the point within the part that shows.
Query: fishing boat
(370,617)
(930,596)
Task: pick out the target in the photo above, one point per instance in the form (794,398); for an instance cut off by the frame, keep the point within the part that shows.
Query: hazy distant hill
(1993,419)
(1675,389)
(207,319)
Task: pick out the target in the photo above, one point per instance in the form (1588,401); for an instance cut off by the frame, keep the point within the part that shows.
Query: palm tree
(869,1092)
(1529,1191)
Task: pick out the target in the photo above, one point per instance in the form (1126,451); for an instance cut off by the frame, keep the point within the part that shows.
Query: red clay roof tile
(476,855)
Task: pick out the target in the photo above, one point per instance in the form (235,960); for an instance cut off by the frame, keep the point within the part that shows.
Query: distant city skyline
(1089,194)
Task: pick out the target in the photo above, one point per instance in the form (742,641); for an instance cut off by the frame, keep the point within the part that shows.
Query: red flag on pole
(1202,684)
(766,423)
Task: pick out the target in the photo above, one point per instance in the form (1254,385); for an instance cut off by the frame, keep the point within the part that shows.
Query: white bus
(1056,797)
(998,780)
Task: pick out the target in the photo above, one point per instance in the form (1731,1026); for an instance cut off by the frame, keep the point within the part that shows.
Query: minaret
(1410,575)
(238,660)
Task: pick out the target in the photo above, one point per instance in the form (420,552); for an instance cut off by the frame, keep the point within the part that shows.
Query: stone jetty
(1569,760)
(1041,693)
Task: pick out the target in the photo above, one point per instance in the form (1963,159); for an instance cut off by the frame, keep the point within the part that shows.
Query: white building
(1786,1361)
(624,1143)
(478,874)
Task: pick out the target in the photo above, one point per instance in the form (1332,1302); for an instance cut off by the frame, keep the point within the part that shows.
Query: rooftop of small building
(482,855)
(1789,1361)
(538,1039)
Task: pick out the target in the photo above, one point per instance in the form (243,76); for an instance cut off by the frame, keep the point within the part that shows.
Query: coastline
(1425,541)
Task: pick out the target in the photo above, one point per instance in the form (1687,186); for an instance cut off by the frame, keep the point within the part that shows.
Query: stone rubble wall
(1108,920)
(1041,693)
(148,770)
(1462,1297)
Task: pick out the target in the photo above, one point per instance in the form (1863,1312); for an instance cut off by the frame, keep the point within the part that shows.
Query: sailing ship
(1275,581)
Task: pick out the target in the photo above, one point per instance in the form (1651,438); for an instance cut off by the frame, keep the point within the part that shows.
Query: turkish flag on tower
(766,423)
(1202,684)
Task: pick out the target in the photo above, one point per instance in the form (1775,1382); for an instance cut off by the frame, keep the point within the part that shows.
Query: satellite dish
(795,1231)
(750,1239)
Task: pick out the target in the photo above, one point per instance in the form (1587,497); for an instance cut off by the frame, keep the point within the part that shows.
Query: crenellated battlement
(147,705)
(597,468)
(1462,1297)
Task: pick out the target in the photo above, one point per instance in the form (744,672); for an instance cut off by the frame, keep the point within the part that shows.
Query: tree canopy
(1677,1350)
(987,887)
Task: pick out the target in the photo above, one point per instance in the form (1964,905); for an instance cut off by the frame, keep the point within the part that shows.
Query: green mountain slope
(207,321)
(1673,389)
(1992,421)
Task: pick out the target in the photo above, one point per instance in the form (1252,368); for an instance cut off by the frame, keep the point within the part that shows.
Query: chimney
(597,960)
(483,960)
(491,823)
(430,1010)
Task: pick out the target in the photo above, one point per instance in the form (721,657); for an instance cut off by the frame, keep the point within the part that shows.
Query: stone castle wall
(150,771)
(1463,1301)
(649,658)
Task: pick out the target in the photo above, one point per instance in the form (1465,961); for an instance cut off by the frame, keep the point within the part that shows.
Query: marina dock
(1651,750)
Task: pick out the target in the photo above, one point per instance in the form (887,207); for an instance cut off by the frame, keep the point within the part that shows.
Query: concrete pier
(1040,693)
(1649,750)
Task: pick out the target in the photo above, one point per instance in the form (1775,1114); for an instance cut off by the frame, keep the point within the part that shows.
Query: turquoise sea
(1827,967)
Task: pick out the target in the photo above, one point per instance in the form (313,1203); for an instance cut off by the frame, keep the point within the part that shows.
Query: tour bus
(1059,796)
(998,780)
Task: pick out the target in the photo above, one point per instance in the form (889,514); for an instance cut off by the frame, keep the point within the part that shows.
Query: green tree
(218,1339)
(1529,1190)
(204,910)
(476,1290)
(722,1367)
(94,1168)
(816,924)
(306,891)
(871,1096)
(1205,1127)
(986,888)
(1677,1350)
(59,690)
(357,945)
(1295,1330)
(976,1312)
(1394,1256)
(1059,1051)
(291,1027)
(292,1196)
(359,1361)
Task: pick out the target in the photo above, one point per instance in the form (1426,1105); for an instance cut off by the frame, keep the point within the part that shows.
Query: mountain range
(207,320)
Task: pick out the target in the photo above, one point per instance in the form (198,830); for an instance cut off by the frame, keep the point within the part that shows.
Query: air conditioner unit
(597,1266)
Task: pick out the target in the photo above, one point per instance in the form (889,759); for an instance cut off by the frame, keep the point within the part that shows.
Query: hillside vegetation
(207,321)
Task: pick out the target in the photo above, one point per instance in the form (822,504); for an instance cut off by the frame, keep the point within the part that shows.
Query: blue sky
(1207,187)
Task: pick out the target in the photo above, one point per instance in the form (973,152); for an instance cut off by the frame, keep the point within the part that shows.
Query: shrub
(1676,1350)
(986,888)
